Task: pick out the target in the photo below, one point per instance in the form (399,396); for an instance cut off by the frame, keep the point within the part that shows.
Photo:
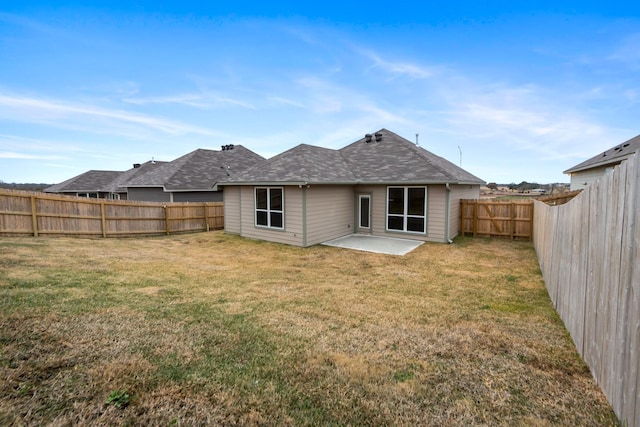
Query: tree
(492,186)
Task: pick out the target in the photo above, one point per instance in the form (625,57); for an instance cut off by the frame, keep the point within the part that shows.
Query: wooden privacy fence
(27,213)
(589,255)
(559,199)
(486,217)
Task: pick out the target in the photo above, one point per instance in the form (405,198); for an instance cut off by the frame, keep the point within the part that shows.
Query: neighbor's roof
(198,170)
(612,156)
(388,159)
(90,181)
(96,181)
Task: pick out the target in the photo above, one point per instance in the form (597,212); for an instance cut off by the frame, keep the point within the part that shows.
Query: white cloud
(191,100)
(286,101)
(628,52)
(24,156)
(398,68)
(90,118)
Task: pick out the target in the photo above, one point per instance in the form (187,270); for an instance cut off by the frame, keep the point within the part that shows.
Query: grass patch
(213,329)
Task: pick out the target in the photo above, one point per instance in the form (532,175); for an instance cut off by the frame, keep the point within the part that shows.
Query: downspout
(447,212)
(304,216)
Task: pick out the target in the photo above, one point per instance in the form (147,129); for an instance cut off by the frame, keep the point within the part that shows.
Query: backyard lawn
(212,329)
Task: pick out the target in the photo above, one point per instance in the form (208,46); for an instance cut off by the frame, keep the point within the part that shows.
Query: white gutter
(447,213)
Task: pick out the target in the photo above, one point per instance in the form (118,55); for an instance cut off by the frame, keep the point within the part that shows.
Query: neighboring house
(591,170)
(98,184)
(191,178)
(382,185)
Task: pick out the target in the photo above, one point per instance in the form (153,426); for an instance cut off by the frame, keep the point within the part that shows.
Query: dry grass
(212,329)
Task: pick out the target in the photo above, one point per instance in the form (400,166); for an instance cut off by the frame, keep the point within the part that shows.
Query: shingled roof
(198,170)
(612,156)
(97,181)
(386,158)
(90,181)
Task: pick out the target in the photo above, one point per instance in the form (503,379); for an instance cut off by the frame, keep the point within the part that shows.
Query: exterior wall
(232,210)
(436,203)
(459,192)
(330,212)
(293,214)
(198,196)
(581,180)
(148,194)
(378,195)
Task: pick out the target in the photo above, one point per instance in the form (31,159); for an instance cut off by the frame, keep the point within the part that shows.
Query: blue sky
(523,91)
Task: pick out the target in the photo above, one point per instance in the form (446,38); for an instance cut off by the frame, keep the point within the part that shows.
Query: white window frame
(360,197)
(405,216)
(268,210)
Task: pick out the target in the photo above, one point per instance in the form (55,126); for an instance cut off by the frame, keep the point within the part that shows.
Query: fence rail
(486,217)
(559,199)
(589,255)
(36,214)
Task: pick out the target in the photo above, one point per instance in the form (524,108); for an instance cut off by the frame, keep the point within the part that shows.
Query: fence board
(496,218)
(37,214)
(588,251)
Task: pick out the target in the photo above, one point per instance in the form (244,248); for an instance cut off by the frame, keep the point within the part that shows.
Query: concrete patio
(381,245)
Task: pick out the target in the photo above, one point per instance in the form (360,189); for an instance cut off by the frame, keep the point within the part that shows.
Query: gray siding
(378,206)
(581,180)
(197,196)
(460,192)
(148,194)
(330,212)
(437,206)
(292,233)
(232,210)
(436,202)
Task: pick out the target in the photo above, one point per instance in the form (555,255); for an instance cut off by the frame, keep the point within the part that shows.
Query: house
(191,178)
(382,184)
(98,184)
(592,169)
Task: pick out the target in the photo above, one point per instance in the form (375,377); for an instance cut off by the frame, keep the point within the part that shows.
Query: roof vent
(367,138)
(230,147)
(136,165)
(378,136)
(223,147)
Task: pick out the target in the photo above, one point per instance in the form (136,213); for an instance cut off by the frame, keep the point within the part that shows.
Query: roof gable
(303,163)
(87,182)
(388,157)
(383,158)
(198,170)
(612,156)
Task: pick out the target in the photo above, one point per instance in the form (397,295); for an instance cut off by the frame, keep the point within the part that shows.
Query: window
(407,209)
(270,207)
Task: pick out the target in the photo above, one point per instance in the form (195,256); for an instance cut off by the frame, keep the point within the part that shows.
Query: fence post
(206,216)
(462,209)
(166,219)
(512,206)
(475,218)
(103,214)
(531,222)
(34,216)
